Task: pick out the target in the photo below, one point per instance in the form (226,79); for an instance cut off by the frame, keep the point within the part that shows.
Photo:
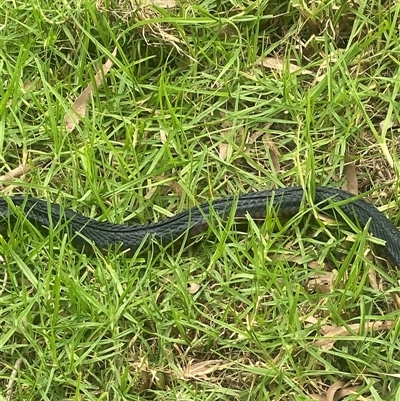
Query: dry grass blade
(15,173)
(164,3)
(9,386)
(78,108)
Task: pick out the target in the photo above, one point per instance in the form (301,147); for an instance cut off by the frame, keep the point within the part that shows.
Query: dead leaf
(27,85)
(280,64)
(331,332)
(223,150)
(16,172)
(201,370)
(193,288)
(314,265)
(396,299)
(373,279)
(150,192)
(310,320)
(165,184)
(223,147)
(298,259)
(268,141)
(322,283)
(78,108)
(173,185)
(273,151)
(351,175)
(176,188)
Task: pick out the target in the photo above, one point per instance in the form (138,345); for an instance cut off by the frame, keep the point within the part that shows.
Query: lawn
(131,112)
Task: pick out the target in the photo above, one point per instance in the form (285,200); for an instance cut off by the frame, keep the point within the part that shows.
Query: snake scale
(87,232)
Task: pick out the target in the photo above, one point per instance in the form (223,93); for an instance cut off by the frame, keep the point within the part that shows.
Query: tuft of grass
(192,110)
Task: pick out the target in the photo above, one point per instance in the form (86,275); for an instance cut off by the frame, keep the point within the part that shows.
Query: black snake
(87,232)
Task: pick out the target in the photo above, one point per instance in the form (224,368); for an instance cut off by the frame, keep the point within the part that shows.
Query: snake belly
(88,233)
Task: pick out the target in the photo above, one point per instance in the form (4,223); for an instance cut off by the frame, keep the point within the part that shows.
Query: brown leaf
(351,175)
(396,299)
(25,88)
(331,332)
(313,264)
(78,108)
(193,288)
(150,192)
(310,320)
(176,188)
(223,147)
(201,370)
(223,150)
(373,279)
(165,184)
(280,64)
(273,151)
(322,283)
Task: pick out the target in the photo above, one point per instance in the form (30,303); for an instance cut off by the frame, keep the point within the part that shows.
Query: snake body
(87,232)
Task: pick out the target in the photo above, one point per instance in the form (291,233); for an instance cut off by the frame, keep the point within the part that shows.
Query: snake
(88,234)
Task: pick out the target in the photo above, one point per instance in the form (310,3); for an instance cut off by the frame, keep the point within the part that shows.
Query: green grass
(231,317)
